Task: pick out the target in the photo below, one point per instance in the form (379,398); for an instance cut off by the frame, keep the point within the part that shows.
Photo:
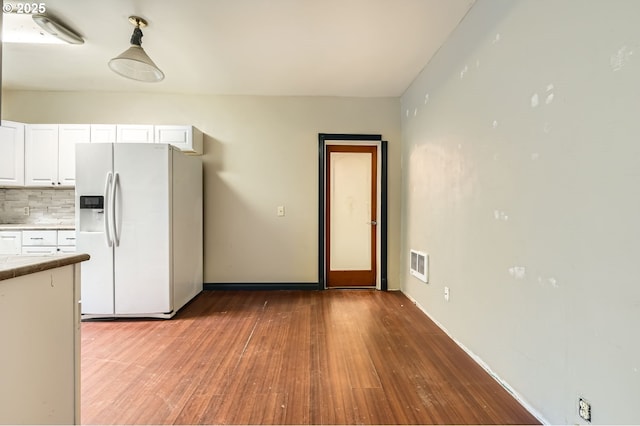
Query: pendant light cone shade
(134,63)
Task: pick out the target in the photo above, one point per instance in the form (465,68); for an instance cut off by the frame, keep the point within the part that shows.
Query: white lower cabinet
(10,242)
(40,242)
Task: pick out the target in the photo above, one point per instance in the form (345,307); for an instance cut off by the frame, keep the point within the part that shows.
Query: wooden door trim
(354,139)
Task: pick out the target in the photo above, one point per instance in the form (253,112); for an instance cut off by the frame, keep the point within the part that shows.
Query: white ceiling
(364,48)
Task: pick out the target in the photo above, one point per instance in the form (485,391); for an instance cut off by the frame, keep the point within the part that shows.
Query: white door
(351,202)
(41,155)
(142,255)
(94,165)
(68,136)
(11,154)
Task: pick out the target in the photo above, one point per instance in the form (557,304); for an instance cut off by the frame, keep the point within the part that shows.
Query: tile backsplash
(46,206)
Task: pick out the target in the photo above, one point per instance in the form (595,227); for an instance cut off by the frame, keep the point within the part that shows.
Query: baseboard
(261,286)
(484,365)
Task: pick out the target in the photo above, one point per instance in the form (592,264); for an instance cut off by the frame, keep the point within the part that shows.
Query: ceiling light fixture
(57,29)
(134,63)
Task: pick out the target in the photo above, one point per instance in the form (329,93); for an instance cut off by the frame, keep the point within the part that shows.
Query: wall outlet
(280,210)
(446,294)
(584,409)
(26,211)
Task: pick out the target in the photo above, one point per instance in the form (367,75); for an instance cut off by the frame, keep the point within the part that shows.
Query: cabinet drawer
(66,238)
(39,250)
(39,238)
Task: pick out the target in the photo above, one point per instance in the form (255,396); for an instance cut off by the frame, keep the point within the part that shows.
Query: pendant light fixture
(134,63)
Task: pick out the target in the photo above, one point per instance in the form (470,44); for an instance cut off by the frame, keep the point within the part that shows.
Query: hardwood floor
(287,357)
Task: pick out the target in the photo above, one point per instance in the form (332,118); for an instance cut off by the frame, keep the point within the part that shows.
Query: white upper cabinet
(186,138)
(103,133)
(68,136)
(44,154)
(41,155)
(50,153)
(11,154)
(134,133)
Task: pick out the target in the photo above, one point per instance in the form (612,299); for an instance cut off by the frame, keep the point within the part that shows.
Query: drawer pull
(36,238)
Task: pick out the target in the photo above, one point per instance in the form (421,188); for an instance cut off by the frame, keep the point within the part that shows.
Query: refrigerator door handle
(116,183)
(107,186)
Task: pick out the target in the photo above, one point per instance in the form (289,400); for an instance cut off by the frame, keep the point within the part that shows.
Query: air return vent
(420,265)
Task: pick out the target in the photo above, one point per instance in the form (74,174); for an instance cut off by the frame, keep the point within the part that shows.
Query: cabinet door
(134,133)
(41,155)
(186,138)
(103,133)
(10,242)
(68,136)
(11,154)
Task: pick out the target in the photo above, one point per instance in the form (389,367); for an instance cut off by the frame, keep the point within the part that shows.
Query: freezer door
(94,163)
(142,231)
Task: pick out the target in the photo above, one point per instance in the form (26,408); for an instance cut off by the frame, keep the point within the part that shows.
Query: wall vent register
(419,266)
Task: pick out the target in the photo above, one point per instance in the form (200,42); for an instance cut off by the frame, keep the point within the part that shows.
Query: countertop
(19,265)
(31,226)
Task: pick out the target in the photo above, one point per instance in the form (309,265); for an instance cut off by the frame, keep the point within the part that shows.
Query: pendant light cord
(136,37)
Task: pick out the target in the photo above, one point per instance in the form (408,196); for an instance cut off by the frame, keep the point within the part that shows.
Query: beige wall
(260,152)
(521,157)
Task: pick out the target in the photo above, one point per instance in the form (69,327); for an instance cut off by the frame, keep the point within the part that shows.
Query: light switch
(280,210)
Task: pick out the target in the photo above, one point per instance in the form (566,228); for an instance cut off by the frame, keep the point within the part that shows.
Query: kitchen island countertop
(18,265)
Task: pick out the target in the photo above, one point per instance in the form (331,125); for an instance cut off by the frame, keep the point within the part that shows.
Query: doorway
(352,215)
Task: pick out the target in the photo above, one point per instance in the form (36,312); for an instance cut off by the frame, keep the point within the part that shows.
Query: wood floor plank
(287,357)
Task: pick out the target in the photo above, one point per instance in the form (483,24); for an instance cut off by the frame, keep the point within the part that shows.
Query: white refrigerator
(139,217)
